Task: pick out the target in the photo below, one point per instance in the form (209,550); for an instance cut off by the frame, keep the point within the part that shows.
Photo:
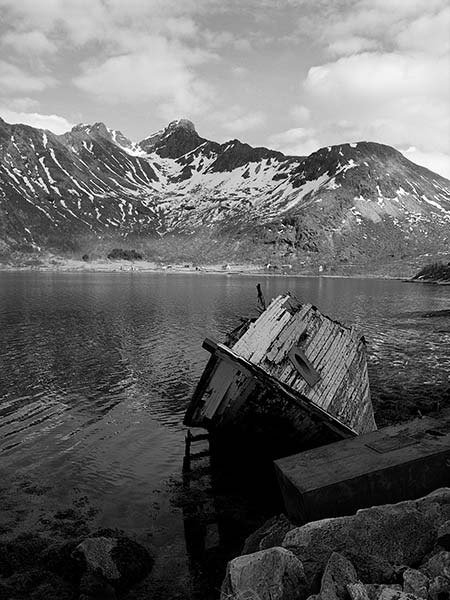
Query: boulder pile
(390,552)
(104,565)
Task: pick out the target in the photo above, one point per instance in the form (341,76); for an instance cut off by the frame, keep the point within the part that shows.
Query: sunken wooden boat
(291,379)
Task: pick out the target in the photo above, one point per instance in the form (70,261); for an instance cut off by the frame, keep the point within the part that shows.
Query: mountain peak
(178,138)
(181,124)
(99,128)
(348,203)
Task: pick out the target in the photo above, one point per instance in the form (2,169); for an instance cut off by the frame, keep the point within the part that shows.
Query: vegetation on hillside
(436,271)
(124,254)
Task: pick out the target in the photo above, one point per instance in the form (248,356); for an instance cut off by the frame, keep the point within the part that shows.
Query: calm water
(97,370)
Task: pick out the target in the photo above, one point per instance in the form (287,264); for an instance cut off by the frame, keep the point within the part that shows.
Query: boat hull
(293,380)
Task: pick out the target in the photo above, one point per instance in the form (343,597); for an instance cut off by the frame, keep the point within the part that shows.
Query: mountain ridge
(337,204)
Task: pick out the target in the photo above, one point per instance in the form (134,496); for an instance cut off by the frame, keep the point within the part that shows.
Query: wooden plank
(321,345)
(273,329)
(217,388)
(192,417)
(233,395)
(323,361)
(304,326)
(316,343)
(345,353)
(246,344)
(336,374)
(222,352)
(293,329)
(364,421)
(325,366)
(328,366)
(257,341)
(232,408)
(288,374)
(357,400)
(252,340)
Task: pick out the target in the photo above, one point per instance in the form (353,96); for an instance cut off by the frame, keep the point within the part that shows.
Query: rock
(338,573)
(36,584)
(5,591)
(52,589)
(439,588)
(95,587)
(376,540)
(270,534)
(21,553)
(374,589)
(97,554)
(438,564)
(415,582)
(443,535)
(59,559)
(357,591)
(392,594)
(116,559)
(133,561)
(272,574)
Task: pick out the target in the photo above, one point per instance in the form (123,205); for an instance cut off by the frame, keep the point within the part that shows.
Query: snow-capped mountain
(343,202)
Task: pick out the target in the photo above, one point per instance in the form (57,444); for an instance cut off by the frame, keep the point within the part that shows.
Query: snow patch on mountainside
(307,188)
(95,179)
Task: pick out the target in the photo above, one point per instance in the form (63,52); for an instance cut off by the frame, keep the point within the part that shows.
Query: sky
(293,75)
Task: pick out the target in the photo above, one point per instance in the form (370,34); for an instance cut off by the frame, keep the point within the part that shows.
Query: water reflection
(97,369)
(224,498)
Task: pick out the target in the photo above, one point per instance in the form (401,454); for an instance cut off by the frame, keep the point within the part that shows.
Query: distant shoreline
(124,266)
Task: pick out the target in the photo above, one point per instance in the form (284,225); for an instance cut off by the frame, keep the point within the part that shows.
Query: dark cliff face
(347,202)
(234,154)
(365,200)
(370,169)
(178,138)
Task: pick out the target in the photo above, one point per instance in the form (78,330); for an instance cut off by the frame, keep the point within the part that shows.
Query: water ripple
(97,369)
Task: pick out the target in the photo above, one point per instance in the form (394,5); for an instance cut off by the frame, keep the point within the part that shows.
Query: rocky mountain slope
(341,203)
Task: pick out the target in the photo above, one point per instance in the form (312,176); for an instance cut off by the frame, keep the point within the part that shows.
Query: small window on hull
(303,366)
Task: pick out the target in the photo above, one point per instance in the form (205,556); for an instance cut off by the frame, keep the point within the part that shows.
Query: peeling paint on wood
(258,373)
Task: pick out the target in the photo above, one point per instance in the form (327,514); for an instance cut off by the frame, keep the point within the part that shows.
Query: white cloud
(160,71)
(399,99)
(301,113)
(239,71)
(24,104)
(298,141)
(13,80)
(380,73)
(390,81)
(54,123)
(244,122)
(435,161)
(370,77)
(416,36)
(181,27)
(351,45)
(142,50)
(29,42)
(380,20)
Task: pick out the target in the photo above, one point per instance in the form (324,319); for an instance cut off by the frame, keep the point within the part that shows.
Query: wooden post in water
(261,299)
(188,456)
(187,452)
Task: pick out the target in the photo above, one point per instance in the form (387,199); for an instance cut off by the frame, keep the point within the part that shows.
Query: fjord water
(96,370)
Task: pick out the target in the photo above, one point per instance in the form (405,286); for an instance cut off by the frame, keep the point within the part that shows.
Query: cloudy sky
(294,75)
